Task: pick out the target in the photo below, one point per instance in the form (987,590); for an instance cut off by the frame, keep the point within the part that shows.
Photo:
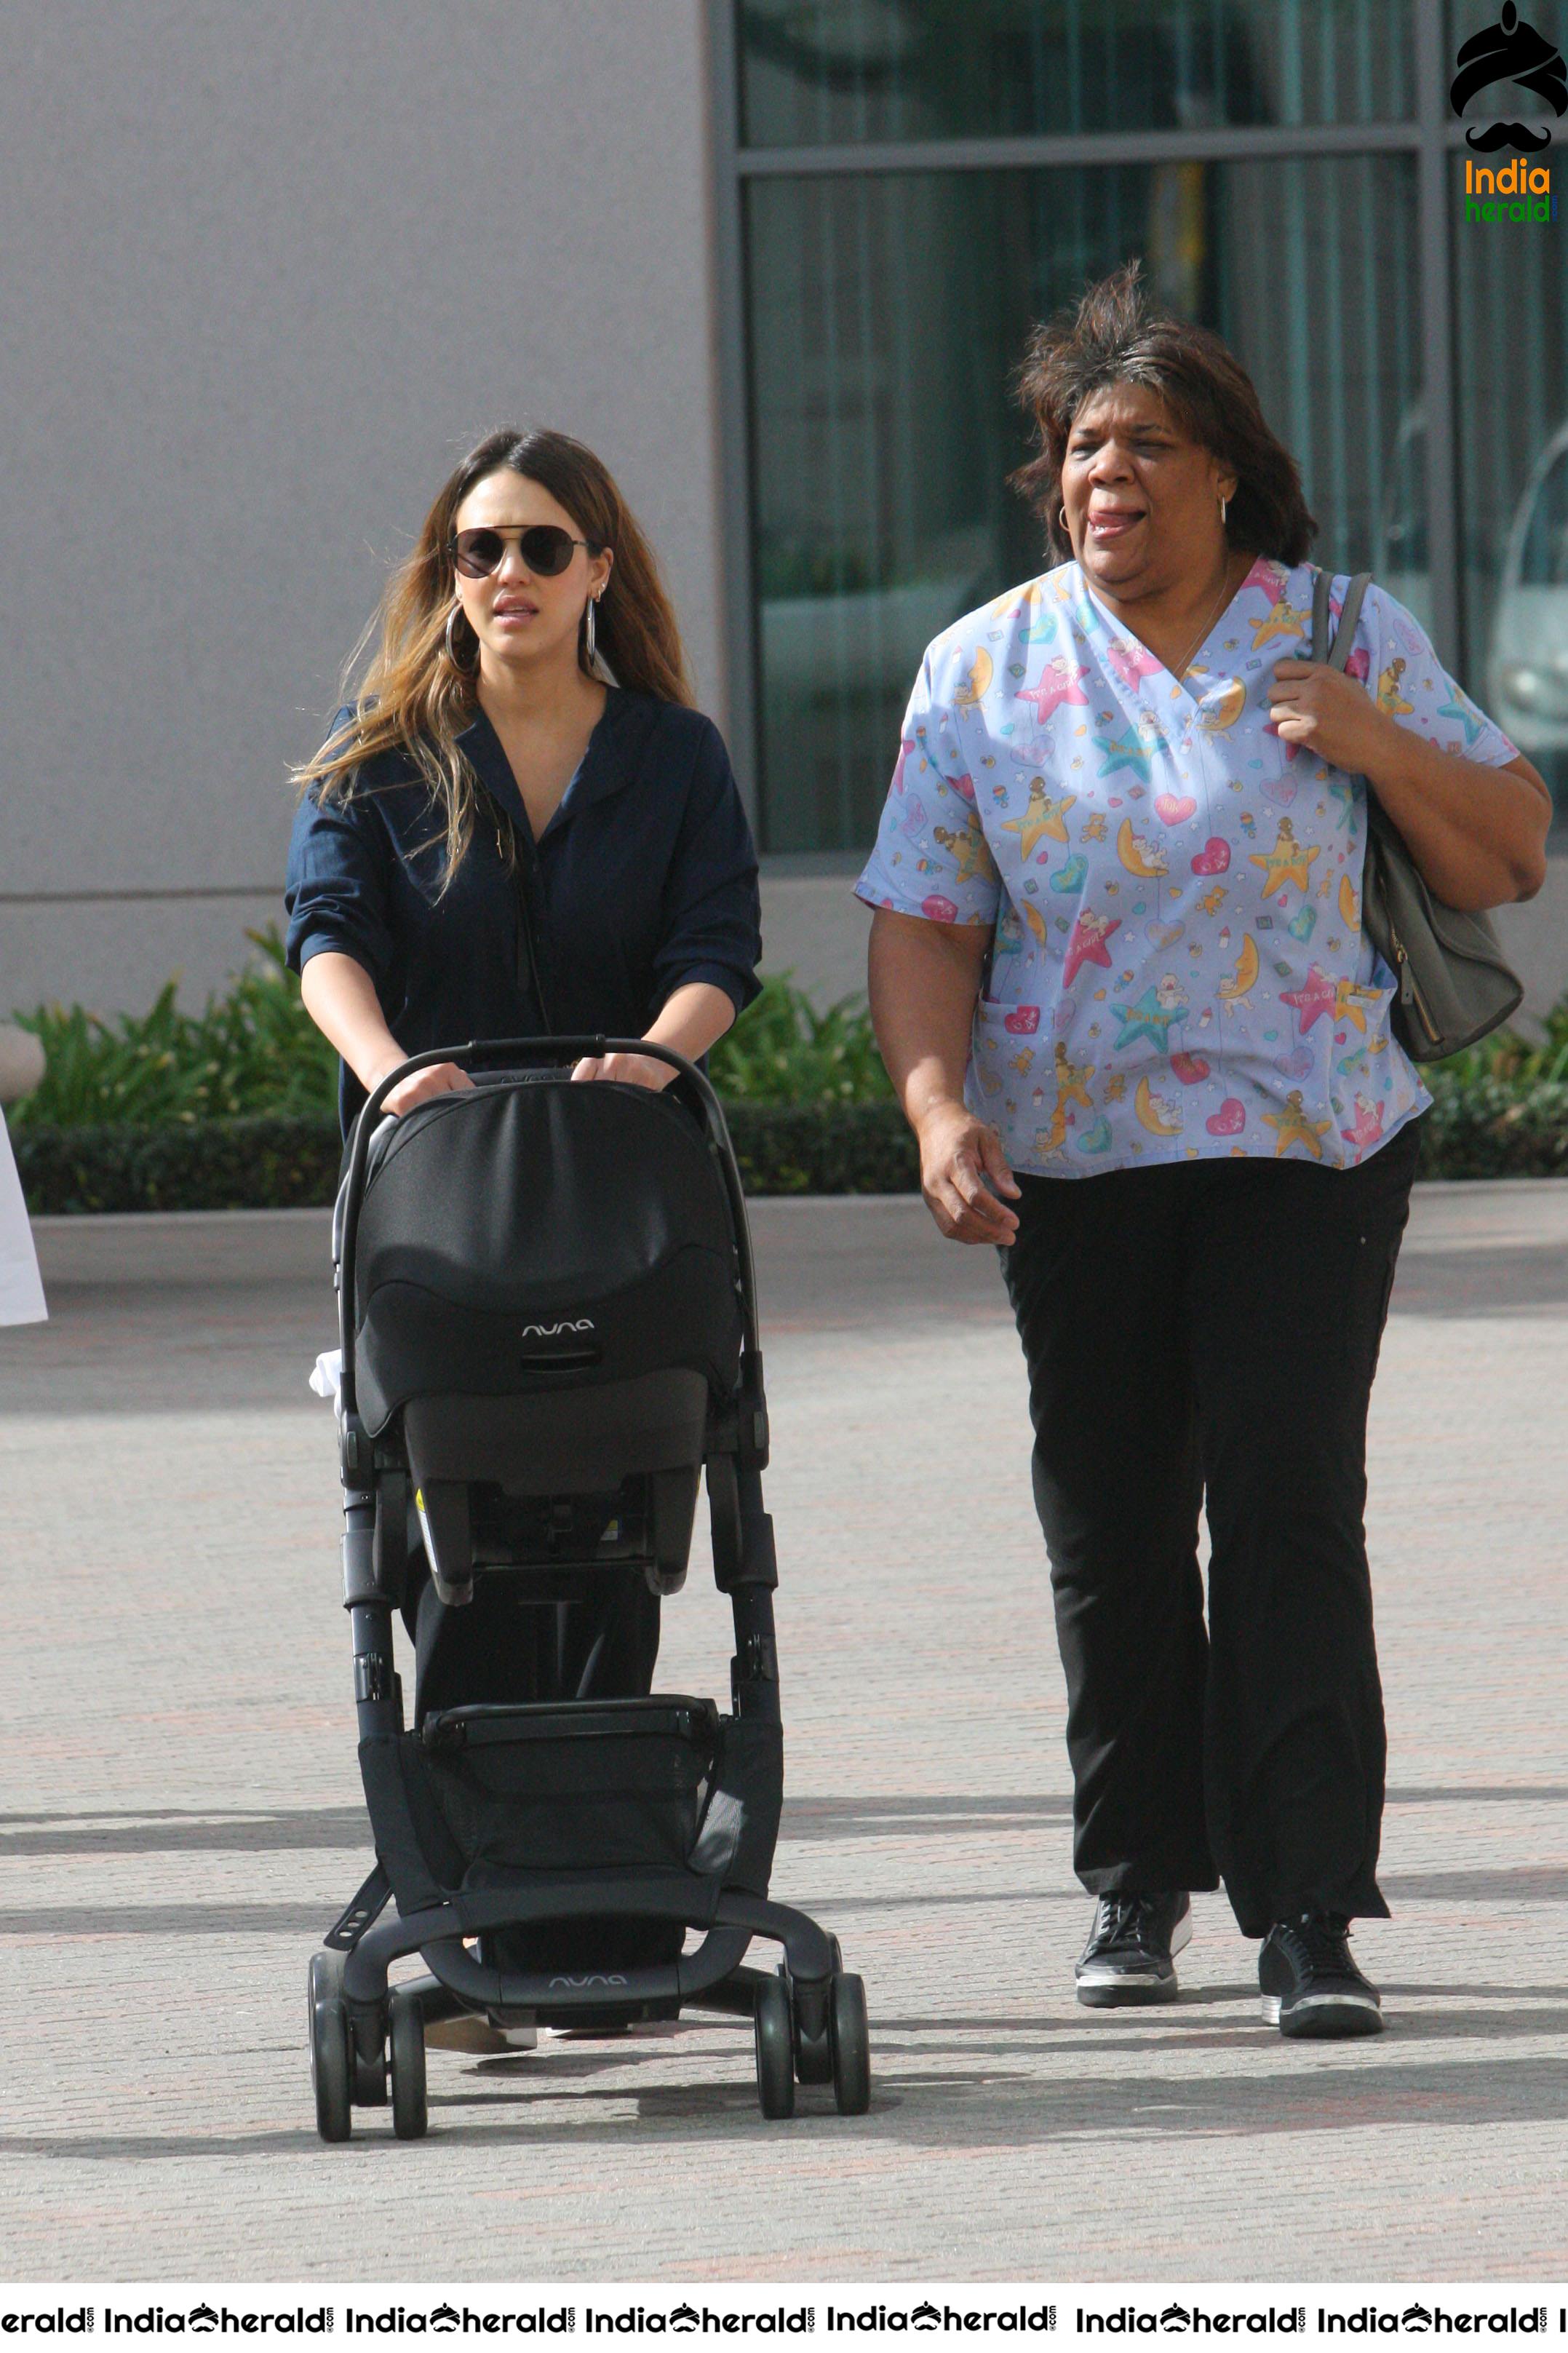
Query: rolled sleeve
(337,896)
(712,911)
(931,858)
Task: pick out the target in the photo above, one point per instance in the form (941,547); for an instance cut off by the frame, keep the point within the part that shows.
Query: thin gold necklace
(1202,638)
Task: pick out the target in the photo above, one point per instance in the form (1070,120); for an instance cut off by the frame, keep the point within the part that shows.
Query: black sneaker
(1128,1958)
(1310,1984)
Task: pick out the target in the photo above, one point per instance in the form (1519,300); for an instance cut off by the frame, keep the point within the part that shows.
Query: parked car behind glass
(1528,669)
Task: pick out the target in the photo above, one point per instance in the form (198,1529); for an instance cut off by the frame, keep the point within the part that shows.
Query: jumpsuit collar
(600,771)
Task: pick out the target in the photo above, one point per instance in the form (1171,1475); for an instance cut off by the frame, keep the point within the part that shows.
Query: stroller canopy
(537,1234)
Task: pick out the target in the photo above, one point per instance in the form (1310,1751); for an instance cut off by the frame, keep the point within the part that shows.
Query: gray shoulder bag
(1454,983)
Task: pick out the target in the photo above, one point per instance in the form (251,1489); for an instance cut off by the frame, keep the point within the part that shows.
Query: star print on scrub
(1042,819)
(1173,894)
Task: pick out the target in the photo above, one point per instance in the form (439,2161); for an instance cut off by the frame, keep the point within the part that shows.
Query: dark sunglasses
(544,548)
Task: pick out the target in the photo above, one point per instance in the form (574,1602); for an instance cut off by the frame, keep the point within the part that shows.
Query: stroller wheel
(329,2062)
(327,1976)
(775,2058)
(813,2048)
(410,2115)
(851,2037)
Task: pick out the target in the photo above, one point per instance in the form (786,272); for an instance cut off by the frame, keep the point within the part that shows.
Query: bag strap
(1338,653)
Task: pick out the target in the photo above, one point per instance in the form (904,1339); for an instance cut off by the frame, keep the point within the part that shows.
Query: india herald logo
(1509,51)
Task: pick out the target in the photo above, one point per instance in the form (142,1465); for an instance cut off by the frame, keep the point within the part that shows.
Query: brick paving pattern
(180,1819)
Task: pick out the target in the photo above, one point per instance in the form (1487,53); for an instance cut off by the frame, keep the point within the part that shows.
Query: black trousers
(1205,1334)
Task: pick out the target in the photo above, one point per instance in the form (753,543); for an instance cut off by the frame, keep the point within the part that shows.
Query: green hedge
(255,1053)
(210,1164)
(1493,1128)
(292,1164)
(1487,1127)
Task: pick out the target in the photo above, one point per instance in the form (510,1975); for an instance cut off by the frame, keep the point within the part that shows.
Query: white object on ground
(21,1285)
(327,1374)
(22,1063)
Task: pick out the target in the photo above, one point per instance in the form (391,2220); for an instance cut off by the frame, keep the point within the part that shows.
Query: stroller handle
(554,1049)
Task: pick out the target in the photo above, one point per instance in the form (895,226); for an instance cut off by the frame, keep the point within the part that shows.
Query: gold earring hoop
(1224,511)
(453,618)
(1062,520)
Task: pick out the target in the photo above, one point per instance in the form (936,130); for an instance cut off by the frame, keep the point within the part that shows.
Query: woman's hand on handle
(695,1015)
(632,1070)
(340,999)
(437,1078)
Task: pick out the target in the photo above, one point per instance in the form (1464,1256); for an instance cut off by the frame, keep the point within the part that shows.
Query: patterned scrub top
(1179,970)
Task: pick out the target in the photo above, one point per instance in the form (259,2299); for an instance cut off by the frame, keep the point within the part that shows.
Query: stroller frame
(367,2038)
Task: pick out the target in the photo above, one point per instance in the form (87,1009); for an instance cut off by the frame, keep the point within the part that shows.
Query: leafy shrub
(782,1050)
(235,1107)
(292,1164)
(1494,1127)
(208,1164)
(253,1050)
(1507,1056)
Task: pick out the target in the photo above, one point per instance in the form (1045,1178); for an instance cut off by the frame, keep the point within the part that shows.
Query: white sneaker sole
(1101,1987)
(1323,2017)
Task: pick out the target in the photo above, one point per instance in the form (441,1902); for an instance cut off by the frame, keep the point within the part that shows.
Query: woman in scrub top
(1120,978)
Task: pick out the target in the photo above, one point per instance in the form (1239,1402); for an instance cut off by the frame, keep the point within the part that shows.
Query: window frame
(1431,134)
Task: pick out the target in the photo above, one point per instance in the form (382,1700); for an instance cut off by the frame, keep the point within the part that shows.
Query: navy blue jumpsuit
(643,880)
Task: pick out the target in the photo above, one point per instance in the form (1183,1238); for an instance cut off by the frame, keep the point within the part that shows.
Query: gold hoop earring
(453,618)
(1062,520)
(1224,511)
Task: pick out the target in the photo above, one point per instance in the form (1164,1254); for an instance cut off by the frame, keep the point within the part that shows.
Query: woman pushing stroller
(497,841)
(500,845)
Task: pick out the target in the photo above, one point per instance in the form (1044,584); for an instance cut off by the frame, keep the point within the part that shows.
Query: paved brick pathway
(179,1819)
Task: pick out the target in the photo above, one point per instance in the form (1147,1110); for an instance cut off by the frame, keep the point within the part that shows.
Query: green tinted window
(888,312)
(1513,454)
(822,71)
(1542,560)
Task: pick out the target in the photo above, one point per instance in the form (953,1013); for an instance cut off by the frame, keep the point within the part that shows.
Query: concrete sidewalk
(180,1818)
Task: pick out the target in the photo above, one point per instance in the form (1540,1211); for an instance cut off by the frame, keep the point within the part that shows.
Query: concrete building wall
(269,268)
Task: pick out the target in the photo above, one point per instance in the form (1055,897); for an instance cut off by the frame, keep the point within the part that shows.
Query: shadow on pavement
(1179,2034)
(177,1831)
(172,1832)
(310,1920)
(994,2109)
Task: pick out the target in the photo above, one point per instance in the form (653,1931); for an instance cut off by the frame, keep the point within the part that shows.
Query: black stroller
(548,1317)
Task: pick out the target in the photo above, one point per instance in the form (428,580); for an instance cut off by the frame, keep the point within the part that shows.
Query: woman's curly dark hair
(1116,336)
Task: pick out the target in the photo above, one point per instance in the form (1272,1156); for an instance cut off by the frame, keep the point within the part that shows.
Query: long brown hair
(1115,335)
(415,695)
